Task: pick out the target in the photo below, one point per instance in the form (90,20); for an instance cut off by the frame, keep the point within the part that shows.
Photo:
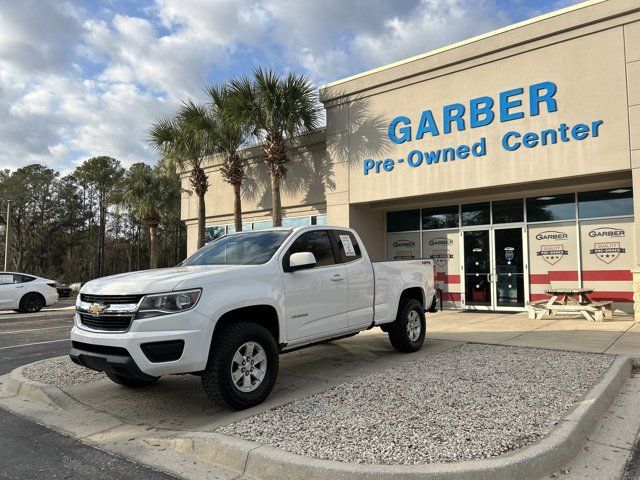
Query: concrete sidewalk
(620,336)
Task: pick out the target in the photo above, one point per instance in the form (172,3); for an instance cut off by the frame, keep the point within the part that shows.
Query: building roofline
(462,43)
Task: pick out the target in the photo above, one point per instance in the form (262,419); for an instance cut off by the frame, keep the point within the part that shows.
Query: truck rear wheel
(242,366)
(406,333)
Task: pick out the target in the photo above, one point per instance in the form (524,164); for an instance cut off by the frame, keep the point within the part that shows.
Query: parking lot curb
(36,391)
(262,462)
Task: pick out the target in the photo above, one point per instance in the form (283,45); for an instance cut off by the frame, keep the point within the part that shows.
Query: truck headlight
(166,303)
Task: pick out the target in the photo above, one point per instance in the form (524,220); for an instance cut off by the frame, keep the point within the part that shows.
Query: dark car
(63,290)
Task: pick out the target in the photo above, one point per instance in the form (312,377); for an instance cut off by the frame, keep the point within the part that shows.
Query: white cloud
(76,82)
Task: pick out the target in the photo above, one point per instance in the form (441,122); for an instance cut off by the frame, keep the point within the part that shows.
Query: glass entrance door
(477,268)
(509,267)
(494,268)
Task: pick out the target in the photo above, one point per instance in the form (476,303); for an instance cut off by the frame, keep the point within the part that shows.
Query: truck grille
(110,323)
(110,299)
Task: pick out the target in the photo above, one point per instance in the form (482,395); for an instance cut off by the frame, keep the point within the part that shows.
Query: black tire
(130,382)
(434,305)
(399,331)
(217,380)
(31,302)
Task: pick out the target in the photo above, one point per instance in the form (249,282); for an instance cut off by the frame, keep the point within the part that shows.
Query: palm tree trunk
(275,200)
(153,246)
(201,220)
(101,238)
(237,207)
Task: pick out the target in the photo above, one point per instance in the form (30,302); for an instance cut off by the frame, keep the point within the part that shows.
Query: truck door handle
(20,286)
(337,277)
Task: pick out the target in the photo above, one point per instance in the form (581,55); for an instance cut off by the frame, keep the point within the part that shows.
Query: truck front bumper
(107,359)
(177,343)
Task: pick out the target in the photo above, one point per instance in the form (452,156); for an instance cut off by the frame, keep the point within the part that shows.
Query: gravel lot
(61,372)
(471,402)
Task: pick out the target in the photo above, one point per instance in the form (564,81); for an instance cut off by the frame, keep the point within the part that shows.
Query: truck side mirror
(301,260)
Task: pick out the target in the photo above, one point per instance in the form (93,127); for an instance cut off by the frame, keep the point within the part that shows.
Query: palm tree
(228,137)
(184,145)
(274,109)
(148,194)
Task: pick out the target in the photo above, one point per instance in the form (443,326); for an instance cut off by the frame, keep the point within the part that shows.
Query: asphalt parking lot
(29,450)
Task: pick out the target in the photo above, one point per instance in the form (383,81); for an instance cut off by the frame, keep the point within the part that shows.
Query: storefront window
(440,217)
(551,207)
(403,221)
(213,233)
(245,227)
(262,224)
(296,222)
(475,214)
(508,211)
(319,219)
(605,203)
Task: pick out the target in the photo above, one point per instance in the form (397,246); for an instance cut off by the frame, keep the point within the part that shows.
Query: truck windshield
(250,248)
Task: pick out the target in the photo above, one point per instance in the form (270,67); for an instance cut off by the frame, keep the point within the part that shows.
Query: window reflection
(551,207)
(475,214)
(440,217)
(605,203)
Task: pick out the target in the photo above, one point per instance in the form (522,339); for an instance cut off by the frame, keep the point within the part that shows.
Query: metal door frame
(492,266)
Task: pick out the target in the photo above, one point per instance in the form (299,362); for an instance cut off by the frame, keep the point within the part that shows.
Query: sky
(86,78)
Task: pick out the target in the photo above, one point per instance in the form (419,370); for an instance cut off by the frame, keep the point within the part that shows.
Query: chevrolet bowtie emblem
(96,308)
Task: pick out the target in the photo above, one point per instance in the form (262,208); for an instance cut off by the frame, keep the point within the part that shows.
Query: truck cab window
(318,243)
(348,246)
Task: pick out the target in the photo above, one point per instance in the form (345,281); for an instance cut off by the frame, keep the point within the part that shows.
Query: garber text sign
(479,112)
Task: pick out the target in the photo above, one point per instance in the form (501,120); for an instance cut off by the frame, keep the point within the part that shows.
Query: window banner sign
(443,247)
(403,246)
(553,258)
(607,259)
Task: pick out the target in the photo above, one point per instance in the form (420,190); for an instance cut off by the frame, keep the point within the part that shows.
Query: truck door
(316,298)
(360,277)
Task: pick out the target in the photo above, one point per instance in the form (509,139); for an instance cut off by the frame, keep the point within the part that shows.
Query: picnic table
(570,300)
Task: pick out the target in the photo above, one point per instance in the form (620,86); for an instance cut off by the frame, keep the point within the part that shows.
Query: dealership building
(510,159)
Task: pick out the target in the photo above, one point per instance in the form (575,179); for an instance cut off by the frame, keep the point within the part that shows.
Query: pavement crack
(628,449)
(102,431)
(246,460)
(618,338)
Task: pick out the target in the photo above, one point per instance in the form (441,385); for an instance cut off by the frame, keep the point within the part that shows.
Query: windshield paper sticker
(349,251)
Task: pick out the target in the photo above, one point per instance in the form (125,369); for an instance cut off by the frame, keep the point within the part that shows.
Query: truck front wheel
(407,332)
(242,366)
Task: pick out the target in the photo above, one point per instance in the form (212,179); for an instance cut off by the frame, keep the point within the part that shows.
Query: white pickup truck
(229,310)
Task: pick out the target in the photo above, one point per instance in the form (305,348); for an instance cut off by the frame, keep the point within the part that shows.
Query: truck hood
(154,281)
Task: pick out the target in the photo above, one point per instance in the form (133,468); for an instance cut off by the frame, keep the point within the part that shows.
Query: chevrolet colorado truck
(229,310)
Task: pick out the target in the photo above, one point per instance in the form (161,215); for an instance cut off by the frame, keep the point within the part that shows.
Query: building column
(632,53)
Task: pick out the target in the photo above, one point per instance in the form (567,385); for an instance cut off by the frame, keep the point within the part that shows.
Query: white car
(26,293)
(231,308)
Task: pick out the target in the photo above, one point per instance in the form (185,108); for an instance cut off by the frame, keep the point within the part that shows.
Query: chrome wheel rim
(413,326)
(248,367)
